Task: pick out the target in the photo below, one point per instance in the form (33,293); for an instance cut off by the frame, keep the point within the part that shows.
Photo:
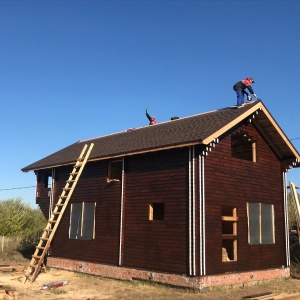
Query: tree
(19,219)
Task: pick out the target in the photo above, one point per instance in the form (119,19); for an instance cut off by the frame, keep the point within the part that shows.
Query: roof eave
(187,144)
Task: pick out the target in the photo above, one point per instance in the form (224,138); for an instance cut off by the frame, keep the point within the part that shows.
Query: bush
(19,219)
(29,242)
(22,224)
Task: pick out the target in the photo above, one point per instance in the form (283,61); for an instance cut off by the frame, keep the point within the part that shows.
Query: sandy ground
(85,287)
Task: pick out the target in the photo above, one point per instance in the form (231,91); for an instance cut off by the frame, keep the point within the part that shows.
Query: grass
(57,291)
(295,270)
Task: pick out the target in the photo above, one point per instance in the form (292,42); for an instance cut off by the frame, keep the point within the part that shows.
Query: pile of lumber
(15,270)
(8,295)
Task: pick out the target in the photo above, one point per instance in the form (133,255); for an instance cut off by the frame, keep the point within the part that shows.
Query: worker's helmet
(152,117)
(252,79)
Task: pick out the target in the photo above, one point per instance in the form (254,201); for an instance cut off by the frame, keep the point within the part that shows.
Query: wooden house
(196,202)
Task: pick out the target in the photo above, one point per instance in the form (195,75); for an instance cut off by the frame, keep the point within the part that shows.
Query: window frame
(261,223)
(115,170)
(82,221)
(243,146)
(229,234)
(156,211)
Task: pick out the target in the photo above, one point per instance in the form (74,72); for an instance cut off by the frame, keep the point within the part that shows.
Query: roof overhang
(268,127)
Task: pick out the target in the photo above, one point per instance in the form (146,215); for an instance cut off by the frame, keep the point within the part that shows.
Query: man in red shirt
(150,118)
(240,88)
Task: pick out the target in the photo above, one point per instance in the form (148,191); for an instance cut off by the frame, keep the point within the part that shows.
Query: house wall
(163,177)
(159,177)
(234,182)
(92,187)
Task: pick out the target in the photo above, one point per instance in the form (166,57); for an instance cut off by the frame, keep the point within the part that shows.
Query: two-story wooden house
(196,202)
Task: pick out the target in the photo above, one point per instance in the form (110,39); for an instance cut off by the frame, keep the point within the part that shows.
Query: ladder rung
(56,212)
(48,229)
(60,204)
(71,180)
(36,256)
(67,189)
(39,247)
(52,221)
(63,197)
(44,239)
(74,173)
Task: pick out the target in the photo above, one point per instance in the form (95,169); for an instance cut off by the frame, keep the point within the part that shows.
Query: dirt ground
(86,287)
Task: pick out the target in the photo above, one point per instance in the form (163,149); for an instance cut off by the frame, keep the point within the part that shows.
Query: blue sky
(73,70)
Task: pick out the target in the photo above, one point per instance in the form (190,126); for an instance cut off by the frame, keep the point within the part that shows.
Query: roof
(198,129)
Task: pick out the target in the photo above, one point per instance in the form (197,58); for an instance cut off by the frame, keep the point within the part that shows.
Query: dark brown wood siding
(234,182)
(163,177)
(92,187)
(160,177)
(161,245)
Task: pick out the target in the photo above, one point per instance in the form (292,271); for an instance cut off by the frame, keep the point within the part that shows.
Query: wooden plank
(7,269)
(226,218)
(265,296)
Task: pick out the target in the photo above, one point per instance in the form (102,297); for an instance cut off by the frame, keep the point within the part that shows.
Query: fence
(9,243)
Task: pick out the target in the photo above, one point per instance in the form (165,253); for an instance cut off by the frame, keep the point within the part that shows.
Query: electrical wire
(18,188)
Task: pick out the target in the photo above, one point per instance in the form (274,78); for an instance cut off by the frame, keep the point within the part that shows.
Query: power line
(18,188)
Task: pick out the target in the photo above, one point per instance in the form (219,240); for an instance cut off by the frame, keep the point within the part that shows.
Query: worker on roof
(151,119)
(240,88)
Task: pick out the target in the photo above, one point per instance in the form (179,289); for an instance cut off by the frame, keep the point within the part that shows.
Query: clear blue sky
(73,70)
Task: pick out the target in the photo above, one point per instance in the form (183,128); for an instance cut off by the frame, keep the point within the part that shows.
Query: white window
(82,221)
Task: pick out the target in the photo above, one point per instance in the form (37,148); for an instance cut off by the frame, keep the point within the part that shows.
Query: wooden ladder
(37,260)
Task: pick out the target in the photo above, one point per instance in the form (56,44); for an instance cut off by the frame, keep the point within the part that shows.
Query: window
(82,221)
(115,170)
(229,233)
(156,211)
(261,228)
(47,181)
(243,146)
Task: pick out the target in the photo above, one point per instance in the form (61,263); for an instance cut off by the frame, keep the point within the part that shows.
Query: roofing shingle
(185,131)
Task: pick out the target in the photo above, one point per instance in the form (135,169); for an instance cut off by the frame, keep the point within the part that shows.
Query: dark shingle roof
(197,129)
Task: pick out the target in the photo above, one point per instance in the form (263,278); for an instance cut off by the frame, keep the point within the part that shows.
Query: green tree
(19,219)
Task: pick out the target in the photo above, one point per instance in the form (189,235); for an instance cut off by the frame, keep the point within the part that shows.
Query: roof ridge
(146,126)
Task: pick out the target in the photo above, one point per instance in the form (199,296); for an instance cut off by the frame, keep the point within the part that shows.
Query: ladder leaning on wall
(37,260)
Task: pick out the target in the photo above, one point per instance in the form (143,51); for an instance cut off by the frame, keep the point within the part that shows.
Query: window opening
(156,211)
(82,221)
(47,181)
(261,220)
(229,234)
(243,146)
(115,170)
